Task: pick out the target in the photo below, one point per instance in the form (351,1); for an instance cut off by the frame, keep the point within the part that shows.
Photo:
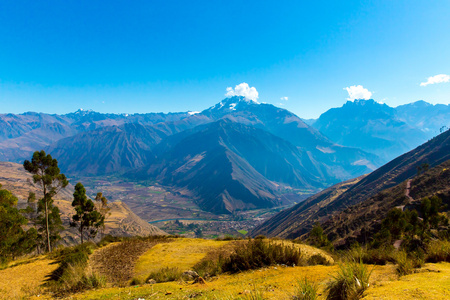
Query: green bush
(165,274)
(350,282)
(306,290)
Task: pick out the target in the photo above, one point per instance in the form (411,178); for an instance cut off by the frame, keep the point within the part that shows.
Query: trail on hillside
(407,190)
(116,261)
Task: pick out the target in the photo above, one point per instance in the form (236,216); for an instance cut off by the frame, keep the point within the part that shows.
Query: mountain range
(237,154)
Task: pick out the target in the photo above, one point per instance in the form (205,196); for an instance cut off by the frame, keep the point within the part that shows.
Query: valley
(162,206)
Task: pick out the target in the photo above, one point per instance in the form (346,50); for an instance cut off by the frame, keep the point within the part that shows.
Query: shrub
(438,251)
(259,253)
(72,275)
(165,274)
(350,282)
(405,265)
(306,290)
(380,256)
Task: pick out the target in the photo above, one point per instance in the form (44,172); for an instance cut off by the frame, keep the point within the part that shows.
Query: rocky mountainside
(298,220)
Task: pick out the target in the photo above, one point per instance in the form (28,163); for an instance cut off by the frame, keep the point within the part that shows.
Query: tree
(87,218)
(103,208)
(47,176)
(14,240)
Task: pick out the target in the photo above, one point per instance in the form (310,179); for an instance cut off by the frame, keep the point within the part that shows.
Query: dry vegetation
(116,261)
(138,258)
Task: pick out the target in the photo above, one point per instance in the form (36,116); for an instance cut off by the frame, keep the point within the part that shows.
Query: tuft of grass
(165,274)
(259,253)
(76,279)
(306,290)
(407,263)
(318,259)
(380,256)
(350,282)
(438,251)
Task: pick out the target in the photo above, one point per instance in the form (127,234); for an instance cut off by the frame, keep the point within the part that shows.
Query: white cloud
(358,92)
(284,98)
(436,79)
(243,90)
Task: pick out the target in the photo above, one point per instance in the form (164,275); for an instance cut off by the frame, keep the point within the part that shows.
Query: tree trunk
(49,247)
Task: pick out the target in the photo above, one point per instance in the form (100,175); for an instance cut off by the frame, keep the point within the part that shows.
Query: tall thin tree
(48,177)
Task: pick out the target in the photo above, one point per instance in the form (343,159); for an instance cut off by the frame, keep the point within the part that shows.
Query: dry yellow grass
(181,253)
(279,283)
(431,282)
(25,279)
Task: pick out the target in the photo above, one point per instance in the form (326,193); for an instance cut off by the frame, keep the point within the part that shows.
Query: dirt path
(407,190)
(117,261)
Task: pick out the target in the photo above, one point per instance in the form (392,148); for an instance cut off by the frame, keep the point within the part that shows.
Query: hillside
(298,220)
(120,222)
(361,221)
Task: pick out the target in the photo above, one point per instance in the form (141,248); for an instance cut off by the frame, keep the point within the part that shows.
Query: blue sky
(152,56)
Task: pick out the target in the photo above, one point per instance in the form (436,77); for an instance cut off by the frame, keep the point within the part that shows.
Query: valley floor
(23,280)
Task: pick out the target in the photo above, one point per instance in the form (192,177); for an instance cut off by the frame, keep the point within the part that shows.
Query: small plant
(350,282)
(165,274)
(306,290)
(405,265)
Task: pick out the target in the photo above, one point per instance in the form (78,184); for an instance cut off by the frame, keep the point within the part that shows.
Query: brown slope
(359,222)
(434,152)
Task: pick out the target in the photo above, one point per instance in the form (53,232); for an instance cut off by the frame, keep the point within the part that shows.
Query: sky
(168,56)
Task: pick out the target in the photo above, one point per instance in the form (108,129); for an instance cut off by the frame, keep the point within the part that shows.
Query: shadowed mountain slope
(107,149)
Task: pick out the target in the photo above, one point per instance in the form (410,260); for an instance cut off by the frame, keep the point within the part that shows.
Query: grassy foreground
(24,279)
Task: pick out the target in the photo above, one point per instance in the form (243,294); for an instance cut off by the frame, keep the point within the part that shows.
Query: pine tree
(47,176)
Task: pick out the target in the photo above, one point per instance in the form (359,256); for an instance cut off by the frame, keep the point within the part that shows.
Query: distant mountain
(372,127)
(21,135)
(107,149)
(298,220)
(428,117)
